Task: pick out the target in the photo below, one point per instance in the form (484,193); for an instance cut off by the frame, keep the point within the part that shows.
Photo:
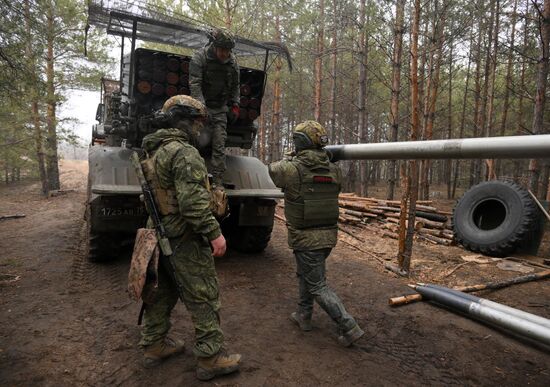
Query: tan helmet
(221,37)
(186,106)
(310,134)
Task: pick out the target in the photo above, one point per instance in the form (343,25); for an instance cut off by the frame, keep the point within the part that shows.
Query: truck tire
(249,239)
(245,239)
(494,218)
(102,246)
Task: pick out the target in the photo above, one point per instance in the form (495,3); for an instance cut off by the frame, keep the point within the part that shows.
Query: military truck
(148,77)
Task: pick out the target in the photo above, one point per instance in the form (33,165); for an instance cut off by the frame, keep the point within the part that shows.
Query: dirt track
(68,322)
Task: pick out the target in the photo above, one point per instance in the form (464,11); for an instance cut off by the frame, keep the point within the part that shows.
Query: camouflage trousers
(195,271)
(313,287)
(217,128)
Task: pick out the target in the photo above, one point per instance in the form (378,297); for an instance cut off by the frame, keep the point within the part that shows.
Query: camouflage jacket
(285,176)
(180,167)
(207,75)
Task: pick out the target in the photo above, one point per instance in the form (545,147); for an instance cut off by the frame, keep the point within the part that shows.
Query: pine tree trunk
(276,116)
(519,130)
(463,113)
(35,114)
(482,118)
(432,93)
(490,164)
(333,69)
(362,99)
(540,95)
(319,63)
(448,163)
(509,67)
(396,89)
(405,253)
(477,99)
(51,101)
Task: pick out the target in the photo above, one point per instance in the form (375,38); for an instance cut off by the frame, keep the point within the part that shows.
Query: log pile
(431,225)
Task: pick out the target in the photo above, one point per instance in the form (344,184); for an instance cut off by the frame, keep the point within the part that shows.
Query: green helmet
(222,38)
(309,134)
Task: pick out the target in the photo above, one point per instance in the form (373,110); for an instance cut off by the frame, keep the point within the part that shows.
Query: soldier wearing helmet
(311,184)
(214,80)
(178,177)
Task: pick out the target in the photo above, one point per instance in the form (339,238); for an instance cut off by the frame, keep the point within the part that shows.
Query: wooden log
(431,223)
(417,223)
(359,214)
(436,217)
(349,219)
(359,207)
(398,202)
(441,241)
(436,232)
(386,208)
(402,300)
(392,214)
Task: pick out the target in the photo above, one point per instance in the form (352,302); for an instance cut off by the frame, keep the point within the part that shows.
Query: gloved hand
(234,113)
(236,110)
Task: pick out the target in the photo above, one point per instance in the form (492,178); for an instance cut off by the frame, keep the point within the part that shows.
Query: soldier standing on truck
(178,178)
(214,81)
(311,184)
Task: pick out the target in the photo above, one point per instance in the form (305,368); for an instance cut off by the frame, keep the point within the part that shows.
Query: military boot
(217,365)
(154,354)
(303,321)
(349,337)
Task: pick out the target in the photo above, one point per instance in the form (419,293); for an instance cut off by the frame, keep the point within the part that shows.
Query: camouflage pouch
(143,274)
(219,203)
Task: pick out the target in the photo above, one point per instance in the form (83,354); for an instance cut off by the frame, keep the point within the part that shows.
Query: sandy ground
(68,322)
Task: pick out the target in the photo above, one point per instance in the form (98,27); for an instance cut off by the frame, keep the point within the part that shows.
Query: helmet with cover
(309,135)
(184,106)
(182,112)
(222,38)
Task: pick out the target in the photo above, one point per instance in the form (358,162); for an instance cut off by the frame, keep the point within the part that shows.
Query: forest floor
(68,322)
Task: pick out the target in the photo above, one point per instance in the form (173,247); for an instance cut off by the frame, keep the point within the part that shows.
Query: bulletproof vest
(166,199)
(217,79)
(317,205)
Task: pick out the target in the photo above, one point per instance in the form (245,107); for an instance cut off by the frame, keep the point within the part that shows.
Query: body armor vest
(318,203)
(166,199)
(217,79)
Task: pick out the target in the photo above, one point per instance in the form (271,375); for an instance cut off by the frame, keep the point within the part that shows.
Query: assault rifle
(151,207)
(164,243)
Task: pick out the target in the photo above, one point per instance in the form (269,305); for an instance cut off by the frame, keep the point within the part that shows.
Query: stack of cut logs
(431,225)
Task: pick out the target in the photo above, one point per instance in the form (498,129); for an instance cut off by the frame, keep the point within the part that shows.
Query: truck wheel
(104,247)
(250,239)
(494,218)
(100,248)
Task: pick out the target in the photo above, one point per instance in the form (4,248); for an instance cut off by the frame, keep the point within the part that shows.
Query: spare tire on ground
(495,218)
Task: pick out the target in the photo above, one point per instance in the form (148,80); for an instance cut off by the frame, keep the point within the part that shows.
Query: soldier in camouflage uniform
(214,81)
(311,184)
(181,183)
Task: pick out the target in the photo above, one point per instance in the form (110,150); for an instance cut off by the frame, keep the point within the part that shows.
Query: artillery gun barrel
(508,147)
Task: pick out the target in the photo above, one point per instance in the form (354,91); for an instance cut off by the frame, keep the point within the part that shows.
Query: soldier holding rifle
(189,237)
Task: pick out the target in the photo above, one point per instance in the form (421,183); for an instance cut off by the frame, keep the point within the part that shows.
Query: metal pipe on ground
(505,147)
(487,314)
